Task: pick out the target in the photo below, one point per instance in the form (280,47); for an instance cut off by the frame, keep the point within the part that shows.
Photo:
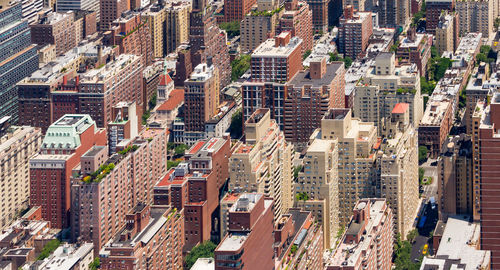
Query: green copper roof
(65,132)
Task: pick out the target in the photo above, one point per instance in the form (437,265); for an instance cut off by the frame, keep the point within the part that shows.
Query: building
(263,162)
(447,33)
(317,186)
(195,186)
(297,19)
(155,16)
(383,86)
(204,264)
(178,24)
(277,59)
(152,238)
(357,142)
(55,28)
(455,177)
(485,165)
(219,124)
(459,247)
(68,257)
(201,100)
(480,86)
(256,27)
(76,5)
(151,78)
(66,140)
(310,94)
(320,14)
(397,163)
(367,240)
(100,181)
(392,13)
(433,10)
(17,146)
(415,49)
(31,9)
(475,16)
(436,124)
(250,235)
(354,31)
(298,236)
(18,60)
(235,10)
(131,33)
(110,10)
(124,126)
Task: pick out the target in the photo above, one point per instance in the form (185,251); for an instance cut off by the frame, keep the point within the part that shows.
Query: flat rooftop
(304,77)
(268,48)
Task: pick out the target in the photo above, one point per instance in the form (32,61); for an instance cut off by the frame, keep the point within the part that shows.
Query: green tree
(347,61)
(296,171)
(434,52)
(412,235)
(496,24)
(239,66)
(427,87)
(172,163)
(48,249)
(180,149)
(232,28)
(152,102)
(402,255)
(235,129)
(95,264)
(421,172)
(306,54)
(204,250)
(422,153)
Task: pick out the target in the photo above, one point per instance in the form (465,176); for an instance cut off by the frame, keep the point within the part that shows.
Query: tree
(235,129)
(48,249)
(412,235)
(347,61)
(204,250)
(402,255)
(172,163)
(152,102)
(421,172)
(296,171)
(94,265)
(232,28)
(180,149)
(306,54)
(496,24)
(434,52)
(426,87)
(239,66)
(422,154)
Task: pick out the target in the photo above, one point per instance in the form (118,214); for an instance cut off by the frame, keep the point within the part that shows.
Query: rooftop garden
(98,175)
(266,12)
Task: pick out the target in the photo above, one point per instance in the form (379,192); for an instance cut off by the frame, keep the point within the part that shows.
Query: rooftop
(204,264)
(268,48)
(435,112)
(175,99)
(304,78)
(65,132)
(401,108)
(111,69)
(205,148)
(67,256)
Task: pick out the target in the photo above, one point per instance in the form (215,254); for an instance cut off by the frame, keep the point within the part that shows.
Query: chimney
(317,68)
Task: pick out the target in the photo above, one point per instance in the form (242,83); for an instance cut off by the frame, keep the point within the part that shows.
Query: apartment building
(235,10)
(178,25)
(320,14)
(475,16)
(66,140)
(447,32)
(311,93)
(357,141)
(67,257)
(257,95)
(263,162)
(110,10)
(386,85)
(152,238)
(433,10)
(297,19)
(55,28)
(255,28)
(17,146)
(354,31)
(125,125)
(415,49)
(72,5)
(368,239)
(318,186)
(250,235)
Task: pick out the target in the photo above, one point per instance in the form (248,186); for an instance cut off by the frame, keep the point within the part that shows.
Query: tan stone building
(263,162)
(177,24)
(17,146)
(447,33)
(475,16)
(319,181)
(257,26)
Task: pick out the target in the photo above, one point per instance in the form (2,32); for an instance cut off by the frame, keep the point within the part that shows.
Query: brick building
(152,238)
(257,95)
(110,10)
(66,140)
(250,235)
(415,49)
(320,14)
(235,10)
(433,9)
(354,32)
(297,19)
(55,28)
(256,27)
(310,94)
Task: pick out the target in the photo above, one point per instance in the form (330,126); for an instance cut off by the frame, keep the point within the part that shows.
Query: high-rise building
(354,31)
(318,186)
(447,33)
(258,95)
(125,124)
(297,19)
(131,33)
(55,28)
(201,100)
(486,151)
(18,145)
(415,49)
(277,59)
(155,16)
(310,94)
(110,10)
(480,86)
(385,85)
(178,25)
(73,5)
(368,239)
(249,242)
(235,10)
(356,169)
(102,196)
(320,14)
(17,60)
(391,13)
(397,162)
(256,26)
(455,177)
(263,162)
(433,10)
(475,16)
(66,140)
(31,9)
(152,238)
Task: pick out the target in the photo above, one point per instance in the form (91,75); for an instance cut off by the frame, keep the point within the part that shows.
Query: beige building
(475,16)
(446,33)
(263,162)
(177,24)
(256,27)
(156,15)
(356,169)
(398,163)
(385,85)
(17,146)
(317,186)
